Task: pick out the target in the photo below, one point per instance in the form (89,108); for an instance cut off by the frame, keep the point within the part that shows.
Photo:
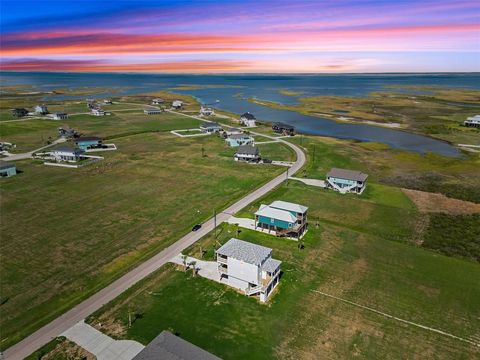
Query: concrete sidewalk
(206,269)
(312,182)
(101,345)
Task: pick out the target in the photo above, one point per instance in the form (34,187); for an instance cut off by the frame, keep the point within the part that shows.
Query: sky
(342,36)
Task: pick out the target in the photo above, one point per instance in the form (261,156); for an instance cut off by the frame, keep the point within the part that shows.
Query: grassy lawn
(67,233)
(349,259)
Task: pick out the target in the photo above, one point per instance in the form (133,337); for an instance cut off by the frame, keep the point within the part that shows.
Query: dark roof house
(167,346)
(248,116)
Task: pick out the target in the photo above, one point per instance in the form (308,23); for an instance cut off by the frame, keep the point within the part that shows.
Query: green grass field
(66,233)
(349,255)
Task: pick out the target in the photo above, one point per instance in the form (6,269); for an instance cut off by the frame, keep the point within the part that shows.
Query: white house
(98,112)
(247,119)
(58,116)
(247,153)
(151,110)
(66,154)
(107,101)
(206,111)
(177,104)
(239,140)
(41,109)
(473,121)
(248,267)
(344,181)
(157,101)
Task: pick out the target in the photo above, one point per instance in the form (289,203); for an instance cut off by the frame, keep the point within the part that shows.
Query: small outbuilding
(167,346)
(152,110)
(247,153)
(210,127)
(88,142)
(7,169)
(247,119)
(473,121)
(19,112)
(284,129)
(239,140)
(346,181)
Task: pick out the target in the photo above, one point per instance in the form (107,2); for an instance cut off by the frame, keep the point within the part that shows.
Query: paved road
(28,155)
(96,301)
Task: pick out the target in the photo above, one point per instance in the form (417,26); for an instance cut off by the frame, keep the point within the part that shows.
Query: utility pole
(313,154)
(286,178)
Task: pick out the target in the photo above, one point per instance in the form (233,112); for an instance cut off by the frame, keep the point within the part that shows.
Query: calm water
(266,87)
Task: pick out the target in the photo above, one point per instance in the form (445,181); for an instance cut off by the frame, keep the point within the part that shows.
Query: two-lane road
(96,301)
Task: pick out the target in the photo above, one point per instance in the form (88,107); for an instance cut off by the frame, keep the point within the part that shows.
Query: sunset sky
(240,36)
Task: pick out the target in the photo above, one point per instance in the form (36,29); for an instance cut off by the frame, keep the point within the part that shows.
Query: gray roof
(167,346)
(210,124)
(87,138)
(240,136)
(271,265)
(274,213)
(248,150)
(285,205)
(245,251)
(68,149)
(6,165)
(347,174)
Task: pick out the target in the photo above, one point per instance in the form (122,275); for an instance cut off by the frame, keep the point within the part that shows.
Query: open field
(351,256)
(435,112)
(67,233)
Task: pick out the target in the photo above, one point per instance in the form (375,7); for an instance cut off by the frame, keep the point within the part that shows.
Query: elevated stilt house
(346,181)
(283,219)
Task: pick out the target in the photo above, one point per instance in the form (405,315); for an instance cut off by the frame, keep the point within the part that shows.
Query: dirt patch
(433,202)
(68,350)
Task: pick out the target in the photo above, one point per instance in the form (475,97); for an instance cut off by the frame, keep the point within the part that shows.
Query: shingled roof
(167,346)
(245,251)
(347,174)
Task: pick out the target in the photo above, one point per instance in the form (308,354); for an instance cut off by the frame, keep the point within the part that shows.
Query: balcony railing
(221,260)
(223,269)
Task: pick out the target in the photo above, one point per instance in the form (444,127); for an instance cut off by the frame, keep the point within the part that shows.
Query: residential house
(168,346)
(88,142)
(107,101)
(344,181)
(66,154)
(158,101)
(98,112)
(41,109)
(7,169)
(248,267)
(67,132)
(248,153)
(206,111)
(151,110)
(19,112)
(210,127)
(58,116)
(239,139)
(177,104)
(247,119)
(284,129)
(473,121)
(283,218)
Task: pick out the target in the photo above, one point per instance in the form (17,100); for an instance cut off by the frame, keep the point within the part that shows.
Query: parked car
(196,227)
(267,161)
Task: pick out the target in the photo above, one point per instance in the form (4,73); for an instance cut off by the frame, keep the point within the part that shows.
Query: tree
(184,261)
(193,264)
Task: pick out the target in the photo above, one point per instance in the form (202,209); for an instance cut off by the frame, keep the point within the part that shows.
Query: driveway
(101,345)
